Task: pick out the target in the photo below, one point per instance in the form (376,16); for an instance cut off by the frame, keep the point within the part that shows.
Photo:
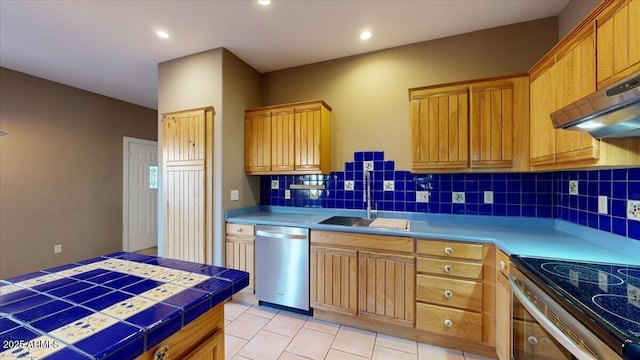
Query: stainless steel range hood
(613,112)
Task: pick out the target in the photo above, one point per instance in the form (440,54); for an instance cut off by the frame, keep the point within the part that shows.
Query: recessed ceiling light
(365,35)
(162,34)
(264,2)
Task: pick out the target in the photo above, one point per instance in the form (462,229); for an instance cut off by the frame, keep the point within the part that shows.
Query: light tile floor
(264,333)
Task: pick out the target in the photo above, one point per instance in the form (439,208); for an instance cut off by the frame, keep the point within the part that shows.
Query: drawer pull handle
(448,323)
(448,250)
(448,268)
(239,230)
(162,353)
(503,265)
(448,294)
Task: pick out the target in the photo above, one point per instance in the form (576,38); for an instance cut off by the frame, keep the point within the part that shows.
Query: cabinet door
(618,36)
(575,80)
(282,143)
(492,124)
(440,128)
(183,141)
(387,287)
(503,317)
(542,134)
(240,256)
(257,147)
(311,138)
(210,349)
(334,279)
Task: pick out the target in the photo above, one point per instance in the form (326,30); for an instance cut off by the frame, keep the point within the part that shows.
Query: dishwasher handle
(280,235)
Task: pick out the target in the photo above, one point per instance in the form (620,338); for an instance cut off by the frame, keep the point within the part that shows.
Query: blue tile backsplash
(542,195)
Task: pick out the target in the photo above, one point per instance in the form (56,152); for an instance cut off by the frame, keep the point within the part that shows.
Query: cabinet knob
(502,265)
(239,230)
(448,294)
(162,353)
(532,340)
(448,268)
(448,323)
(448,250)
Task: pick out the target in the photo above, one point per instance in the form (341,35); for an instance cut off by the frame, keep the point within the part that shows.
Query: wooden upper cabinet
(282,140)
(492,125)
(542,134)
(288,139)
(257,142)
(183,140)
(440,128)
(482,124)
(618,41)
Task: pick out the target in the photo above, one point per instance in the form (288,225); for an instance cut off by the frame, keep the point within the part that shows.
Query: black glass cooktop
(607,295)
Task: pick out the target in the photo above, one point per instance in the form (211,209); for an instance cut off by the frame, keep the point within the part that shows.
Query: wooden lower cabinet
(387,287)
(239,251)
(334,279)
(503,307)
(202,339)
(400,286)
(449,321)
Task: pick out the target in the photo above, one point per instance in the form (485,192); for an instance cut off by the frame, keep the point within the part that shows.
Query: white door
(140,194)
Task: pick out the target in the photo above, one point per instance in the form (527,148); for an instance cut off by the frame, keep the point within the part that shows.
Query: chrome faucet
(367,184)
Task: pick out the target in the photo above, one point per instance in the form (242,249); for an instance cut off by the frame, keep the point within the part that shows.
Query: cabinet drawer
(450,249)
(240,229)
(463,294)
(502,263)
(449,322)
(450,267)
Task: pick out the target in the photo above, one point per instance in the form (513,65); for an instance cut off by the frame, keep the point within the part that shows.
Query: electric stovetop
(604,297)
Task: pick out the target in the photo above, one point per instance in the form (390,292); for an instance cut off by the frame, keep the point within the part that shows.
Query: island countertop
(115,306)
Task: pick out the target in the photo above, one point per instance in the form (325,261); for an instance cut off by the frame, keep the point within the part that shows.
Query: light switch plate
(488,197)
(235,195)
(573,187)
(287,194)
(422,196)
(603,204)
(633,210)
(389,185)
(349,185)
(457,197)
(57,249)
(275,184)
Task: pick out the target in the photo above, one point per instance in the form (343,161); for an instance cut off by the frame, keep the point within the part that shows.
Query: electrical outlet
(275,184)
(422,196)
(57,249)
(633,210)
(349,185)
(488,197)
(287,194)
(573,187)
(633,294)
(367,165)
(603,207)
(457,197)
(235,195)
(388,185)
(313,194)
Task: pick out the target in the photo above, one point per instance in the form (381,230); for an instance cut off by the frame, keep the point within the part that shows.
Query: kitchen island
(117,306)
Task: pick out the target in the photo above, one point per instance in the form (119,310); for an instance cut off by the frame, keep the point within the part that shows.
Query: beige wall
(215,78)
(369,94)
(575,11)
(61,171)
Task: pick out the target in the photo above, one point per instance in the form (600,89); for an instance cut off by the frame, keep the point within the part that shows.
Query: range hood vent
(609,113)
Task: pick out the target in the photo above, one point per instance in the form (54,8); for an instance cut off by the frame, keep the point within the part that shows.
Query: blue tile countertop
(112,307)
(515,235)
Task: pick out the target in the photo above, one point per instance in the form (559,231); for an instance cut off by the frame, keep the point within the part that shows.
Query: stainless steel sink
(347,221)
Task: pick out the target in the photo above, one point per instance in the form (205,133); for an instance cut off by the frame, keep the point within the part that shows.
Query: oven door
(531,340)
(543,330)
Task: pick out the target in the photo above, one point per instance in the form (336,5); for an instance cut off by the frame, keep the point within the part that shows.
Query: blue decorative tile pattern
(116,306)
(541,195)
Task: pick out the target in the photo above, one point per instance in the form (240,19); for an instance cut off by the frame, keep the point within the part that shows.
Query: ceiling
(110,47)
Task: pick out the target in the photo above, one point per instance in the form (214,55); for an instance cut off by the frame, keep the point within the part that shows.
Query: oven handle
(548,325)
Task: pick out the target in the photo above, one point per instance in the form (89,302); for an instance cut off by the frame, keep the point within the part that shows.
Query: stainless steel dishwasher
(282,266)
